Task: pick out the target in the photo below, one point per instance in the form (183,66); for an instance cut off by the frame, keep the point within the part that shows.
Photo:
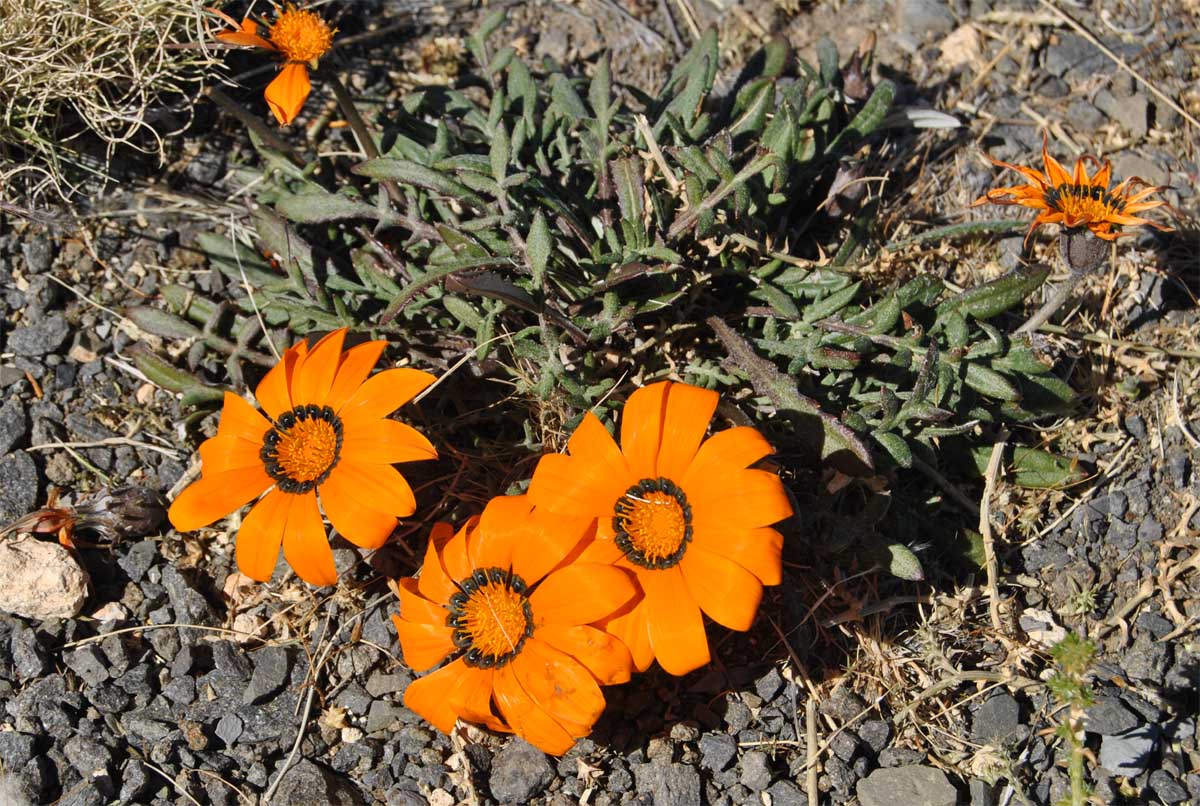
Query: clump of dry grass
(74,74)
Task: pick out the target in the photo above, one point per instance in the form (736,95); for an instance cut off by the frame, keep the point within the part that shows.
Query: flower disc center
(302,448)
(653,523)
(1084,203)
(491,617)
(300,35)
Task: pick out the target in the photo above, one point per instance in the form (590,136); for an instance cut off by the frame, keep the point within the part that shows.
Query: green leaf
(868,118)
(896,447)
(411,173)
(989,299)
(989,383)
(538,245)
(499,154)
(318,207)
(566,99)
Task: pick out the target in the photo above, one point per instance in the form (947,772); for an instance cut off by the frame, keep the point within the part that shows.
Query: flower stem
(1062,292)
(365,141)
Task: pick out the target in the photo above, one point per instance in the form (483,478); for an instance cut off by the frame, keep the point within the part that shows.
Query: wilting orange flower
(1078,200)
(327,432)
(688,516)
(300,37)
(508,600)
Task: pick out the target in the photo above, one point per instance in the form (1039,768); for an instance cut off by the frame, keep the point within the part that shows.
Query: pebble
(29,660)
(669,784)
(39,338)
(717,751)
(88,662)
(42,580)
(1167,788)
(519,772)
(271,667)
(18,486)
(1133,112)
(228,729)
(756,771)
(1109,717)
(924,18)
(87,756)
(1129,753)
(136,561)
(997,720)
(189,604)
(14,425)
(786,793)
(308,782)
(16,749)
(911,785)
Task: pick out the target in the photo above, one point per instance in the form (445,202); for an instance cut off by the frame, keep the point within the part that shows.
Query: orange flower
(300,38)
(687,516)
(525,659)
(1077,200)
(326,430)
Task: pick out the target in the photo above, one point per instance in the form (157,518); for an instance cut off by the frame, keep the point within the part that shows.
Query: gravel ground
(189,708)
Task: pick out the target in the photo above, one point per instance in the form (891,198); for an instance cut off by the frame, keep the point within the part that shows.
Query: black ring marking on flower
(463,641)
(286,422)
(1054,196)
(624,507)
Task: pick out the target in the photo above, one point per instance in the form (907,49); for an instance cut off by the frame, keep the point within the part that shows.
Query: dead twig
(985,529)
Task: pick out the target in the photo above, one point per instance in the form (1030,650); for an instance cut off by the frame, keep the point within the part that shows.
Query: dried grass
(76,74)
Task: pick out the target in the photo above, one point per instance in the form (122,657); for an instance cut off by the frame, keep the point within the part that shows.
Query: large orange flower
(300,37)
(1077,199)
(326,431)
(688,516)
(507,599)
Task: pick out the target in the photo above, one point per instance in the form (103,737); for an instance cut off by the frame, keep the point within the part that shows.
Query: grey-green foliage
(558,207)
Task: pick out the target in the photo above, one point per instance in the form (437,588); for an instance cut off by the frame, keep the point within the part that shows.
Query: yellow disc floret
(300,35)
(653,523)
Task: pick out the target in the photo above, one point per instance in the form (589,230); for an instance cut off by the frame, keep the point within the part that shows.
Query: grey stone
(313,783)
(354,699)
(1130,163)
(87,756)
(1085,115)
(228,729)
(717,751)
(1167,788)
(29,661)
(137,560)
(912,786)
(1147,659)
(875,734)
(1129,753)
(18,486)
(16,749)
(271,667)
(922,18)
(844,745)
(1149,532)
(1113,504)
(134,781)
(1122,535)
(1154,624)
(899,757)
(769,685)
(839,774)
(1072,55)
(669,784)
(382,716)
(39,338)
(189,604)
(1109,717)
(39,254)
(1177,468)
(88,662)
(982,793)
(89,792)
(14,425)
(998,720)
(380,684)
(843,705)
(756,771)
(785,793)
(519,772)
(1132,112)
(737,715)
(1135,424)
(181,690)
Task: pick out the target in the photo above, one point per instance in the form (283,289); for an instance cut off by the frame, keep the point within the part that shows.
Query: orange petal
(532,541)
(355,367)
(355,519)
(305,545)
(287,92)
(742,499)
(586,483)
(559,684)
(725,451)
(1055,172)
(726,592)
(423,645)
(453,553)
(674,621)
(689,410)
(427,695)
(433,583)
(385,442)
(272,391)
(631,629)
(247,36)
(581,594)
(221,454)
(527,720)
(381,486)
(604,655)
(240,419)
(602,550)
(756,550)
(313,376)
(257,542)
(642,428)
(385,392)
(213,497)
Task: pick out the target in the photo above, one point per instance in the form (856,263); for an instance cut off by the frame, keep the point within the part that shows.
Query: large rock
(913,786)
(42,580)
(312,783)
(519,772)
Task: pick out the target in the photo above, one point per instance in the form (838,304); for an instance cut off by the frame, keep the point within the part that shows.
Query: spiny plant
(1073,658)
(578,231)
